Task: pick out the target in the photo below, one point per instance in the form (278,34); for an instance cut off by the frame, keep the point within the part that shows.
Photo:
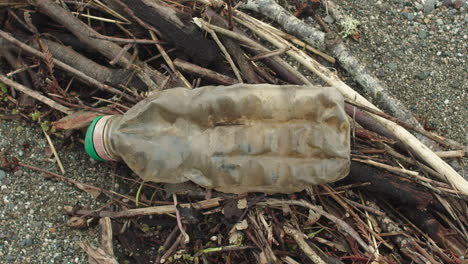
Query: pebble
(328,19)
(439,21)
(2,174)
(429,6)
(409,16)
(422,34)
(27,242)
(392,66)
(422,75)
(418,6)
(452,12)
(447,2)
(18,173)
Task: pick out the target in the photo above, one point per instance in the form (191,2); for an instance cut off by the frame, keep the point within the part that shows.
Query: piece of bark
(110,50)
(177,27)
(441,235)
(388,185)
(133,244)
(234,48)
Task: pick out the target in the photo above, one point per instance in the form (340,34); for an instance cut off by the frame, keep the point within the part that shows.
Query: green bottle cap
(89,144)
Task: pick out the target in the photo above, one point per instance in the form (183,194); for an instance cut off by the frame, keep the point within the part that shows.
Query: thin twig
(54,151)
(226,55)
(35,95)
(169,61)
(204,72)
(301,242)
(179,221)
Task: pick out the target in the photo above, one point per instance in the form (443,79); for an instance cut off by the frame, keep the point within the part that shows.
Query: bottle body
(235,139)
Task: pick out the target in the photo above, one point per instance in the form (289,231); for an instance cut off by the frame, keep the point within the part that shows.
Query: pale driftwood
(78,74)
(206,73)
(333,43)
(301,242)
(410,141)
(452,153)
(97,255)
(35,95)
(105,226)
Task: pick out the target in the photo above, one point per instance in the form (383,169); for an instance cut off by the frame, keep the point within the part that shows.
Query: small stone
(429,6)
(328,19)
(447,2)
(456,84)
(458,3)
(422,75)
(446,101)
(422,34)
(418,6)
(392,66)
(18,173)
(439,21)
(409,16)
(27,242)
(381,73)
(9,258)
(452,12)
(2,174)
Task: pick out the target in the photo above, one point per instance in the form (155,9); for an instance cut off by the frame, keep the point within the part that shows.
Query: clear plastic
(236,139)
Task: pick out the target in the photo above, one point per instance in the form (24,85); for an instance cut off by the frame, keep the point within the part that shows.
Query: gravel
(32,220)
(418,51)
(421,57)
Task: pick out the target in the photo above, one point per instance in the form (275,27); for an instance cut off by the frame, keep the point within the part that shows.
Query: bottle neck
(102,138)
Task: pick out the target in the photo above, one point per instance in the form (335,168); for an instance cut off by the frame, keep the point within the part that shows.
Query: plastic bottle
(235,139)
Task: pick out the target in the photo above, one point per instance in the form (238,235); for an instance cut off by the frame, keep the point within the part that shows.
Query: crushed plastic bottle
(235,139)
